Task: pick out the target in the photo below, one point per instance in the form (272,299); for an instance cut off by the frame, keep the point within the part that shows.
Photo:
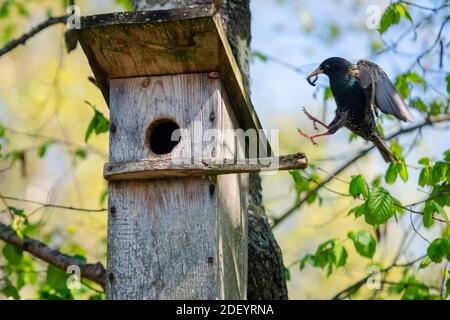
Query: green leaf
(103,197)
(81,153)
(439,249)
(259,55)
(300,183)
(380,207)
(401,9)
(358,186)
(448,83)
(447,155)
(329,255)
(420,105)
(352,136)
(16,212)
(22,10)
(365,243)
(126,4)
(56,278)
(439,172)
(391,173)
(397,149)
(440,211)
(5,9)
(389,17)
(425,161)
(340,255)
(99,124)
(403,84)
(311,198)
(306,259)
(413,77)
(425,263)
(437,107)
(13,255)
(10,291)
(398,206)
(402,170)
(424,177)
(42,150)
(328,94)
(358,210)
(376,182)
(447,288)
(287,274)
(428,212)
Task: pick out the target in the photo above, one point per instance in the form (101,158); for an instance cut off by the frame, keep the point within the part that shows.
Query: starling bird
(359,90)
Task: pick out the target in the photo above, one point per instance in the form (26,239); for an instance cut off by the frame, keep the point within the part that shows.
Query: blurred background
(45,160)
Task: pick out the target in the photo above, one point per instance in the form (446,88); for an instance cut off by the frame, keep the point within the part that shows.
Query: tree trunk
(265,263)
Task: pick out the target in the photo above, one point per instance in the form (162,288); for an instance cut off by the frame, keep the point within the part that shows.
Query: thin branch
(94,272)
(415,229)
(50,205)
(427,122)
(26,36)
(407,284)
(56,140)
(357,285)
(435,9)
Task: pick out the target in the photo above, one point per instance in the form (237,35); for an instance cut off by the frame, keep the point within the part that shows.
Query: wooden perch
(159,168)
(94,272)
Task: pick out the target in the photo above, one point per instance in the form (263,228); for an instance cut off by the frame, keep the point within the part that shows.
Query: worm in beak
(314,74)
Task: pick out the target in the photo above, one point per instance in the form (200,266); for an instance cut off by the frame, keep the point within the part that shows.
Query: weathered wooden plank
(174,238)
(165,42)
(157,168)
(232,204)
(162,240)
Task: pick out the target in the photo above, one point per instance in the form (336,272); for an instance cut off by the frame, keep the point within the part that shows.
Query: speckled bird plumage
(360,90)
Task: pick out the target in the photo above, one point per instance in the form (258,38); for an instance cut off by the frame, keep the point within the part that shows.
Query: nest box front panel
(147,111)
(193,229)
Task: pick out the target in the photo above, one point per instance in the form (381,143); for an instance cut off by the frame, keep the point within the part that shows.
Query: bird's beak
(315,74)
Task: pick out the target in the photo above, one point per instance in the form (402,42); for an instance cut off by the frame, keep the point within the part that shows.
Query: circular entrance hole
(161,138)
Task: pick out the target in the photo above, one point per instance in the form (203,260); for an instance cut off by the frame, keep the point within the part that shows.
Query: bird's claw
(314,120)
(307,136)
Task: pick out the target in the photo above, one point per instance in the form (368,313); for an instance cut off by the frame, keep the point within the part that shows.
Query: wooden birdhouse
(177,174)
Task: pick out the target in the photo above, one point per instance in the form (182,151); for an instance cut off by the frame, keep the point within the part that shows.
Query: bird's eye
(326,66)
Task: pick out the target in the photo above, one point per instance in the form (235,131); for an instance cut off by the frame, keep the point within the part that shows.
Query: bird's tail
(387,155)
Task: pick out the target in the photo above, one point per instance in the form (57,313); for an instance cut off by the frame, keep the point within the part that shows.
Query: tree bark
(265,263)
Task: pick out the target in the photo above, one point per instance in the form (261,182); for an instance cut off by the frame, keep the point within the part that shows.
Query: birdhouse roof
(164,42)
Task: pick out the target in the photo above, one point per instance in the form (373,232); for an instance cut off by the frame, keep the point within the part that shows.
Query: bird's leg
(315,120)
(313,136)
(332,128)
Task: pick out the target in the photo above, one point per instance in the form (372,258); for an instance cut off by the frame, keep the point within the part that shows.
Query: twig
(56,140)
(26,36)
(94,272)
(356,286)
(415,230)
(412,4)
(50,205)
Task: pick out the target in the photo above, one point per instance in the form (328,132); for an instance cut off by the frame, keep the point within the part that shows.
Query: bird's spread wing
(382,91)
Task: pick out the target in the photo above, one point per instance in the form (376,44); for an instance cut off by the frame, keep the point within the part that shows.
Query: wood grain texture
(181,238)
(158,168)
(165,42)
(232,208)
